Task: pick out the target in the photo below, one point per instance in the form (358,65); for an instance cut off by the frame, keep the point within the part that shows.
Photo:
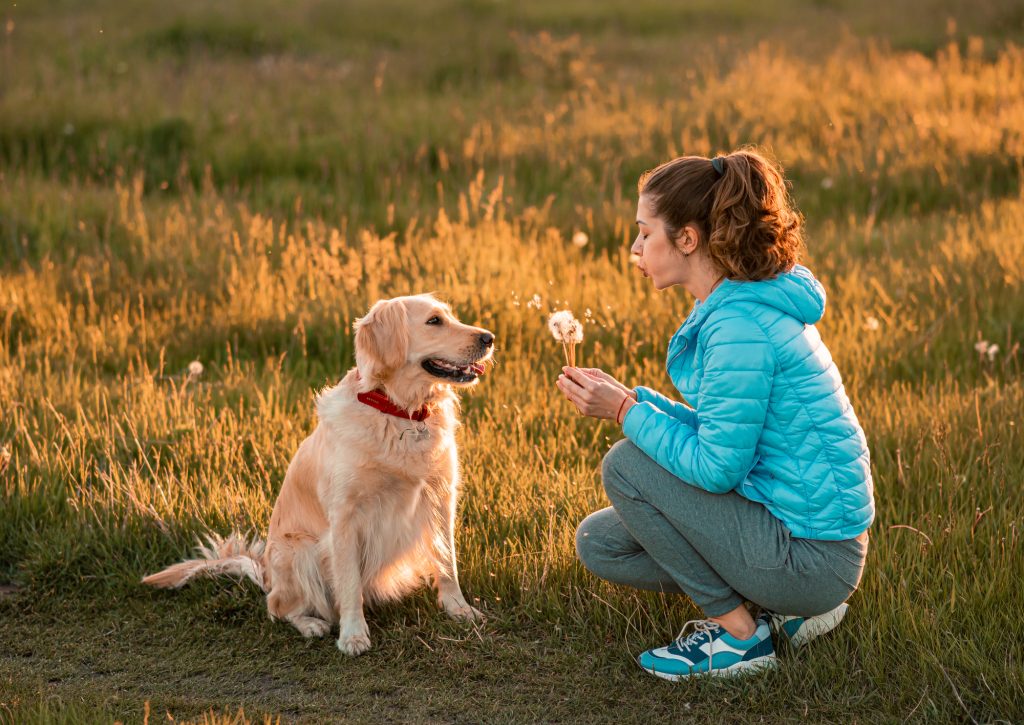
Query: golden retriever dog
(367,508)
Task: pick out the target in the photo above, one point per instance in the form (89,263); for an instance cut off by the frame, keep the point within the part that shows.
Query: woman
(762,491)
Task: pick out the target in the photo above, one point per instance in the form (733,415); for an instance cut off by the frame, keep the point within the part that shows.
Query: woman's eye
(435,320)
(645,236)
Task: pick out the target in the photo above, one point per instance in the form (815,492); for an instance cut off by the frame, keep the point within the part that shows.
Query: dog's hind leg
(309,626)
(298,595)
(288,605)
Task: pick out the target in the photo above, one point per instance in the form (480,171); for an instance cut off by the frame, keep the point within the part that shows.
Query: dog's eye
(435,320)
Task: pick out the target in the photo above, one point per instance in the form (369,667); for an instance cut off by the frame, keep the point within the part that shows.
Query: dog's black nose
(486,338)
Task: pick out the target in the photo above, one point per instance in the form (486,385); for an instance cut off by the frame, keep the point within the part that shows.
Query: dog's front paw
(354,639)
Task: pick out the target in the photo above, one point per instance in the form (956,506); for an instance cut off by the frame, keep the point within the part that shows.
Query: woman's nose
(637,247)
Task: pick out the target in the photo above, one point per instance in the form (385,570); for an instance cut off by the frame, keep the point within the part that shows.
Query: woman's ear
(382,340)
(688,240)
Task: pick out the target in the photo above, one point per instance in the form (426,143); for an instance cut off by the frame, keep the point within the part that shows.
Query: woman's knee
(596,540)
(616,464)
(587,541)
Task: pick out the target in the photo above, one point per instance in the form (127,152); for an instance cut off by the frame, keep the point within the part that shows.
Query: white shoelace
(700,626)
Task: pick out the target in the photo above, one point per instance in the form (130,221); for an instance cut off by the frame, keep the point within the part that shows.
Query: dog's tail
(234,556)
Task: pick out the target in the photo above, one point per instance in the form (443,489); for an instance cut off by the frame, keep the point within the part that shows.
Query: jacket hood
(796,293)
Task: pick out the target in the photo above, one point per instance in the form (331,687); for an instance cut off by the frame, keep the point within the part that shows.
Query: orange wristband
(621,406)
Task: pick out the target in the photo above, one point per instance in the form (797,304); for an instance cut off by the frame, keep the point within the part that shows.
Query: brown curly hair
(744,214)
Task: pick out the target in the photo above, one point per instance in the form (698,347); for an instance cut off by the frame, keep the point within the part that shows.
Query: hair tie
(717,165)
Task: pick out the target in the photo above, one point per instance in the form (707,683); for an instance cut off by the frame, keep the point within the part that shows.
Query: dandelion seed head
(574,333)
(827,183)
(195,369)
(564,327)
(580,239)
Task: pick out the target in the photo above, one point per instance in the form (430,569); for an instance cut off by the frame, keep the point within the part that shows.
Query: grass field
(234,183)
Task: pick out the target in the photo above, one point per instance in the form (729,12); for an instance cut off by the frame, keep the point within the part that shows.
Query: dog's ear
(382,340)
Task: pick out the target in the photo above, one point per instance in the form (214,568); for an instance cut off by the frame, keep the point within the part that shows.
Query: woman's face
(659,257)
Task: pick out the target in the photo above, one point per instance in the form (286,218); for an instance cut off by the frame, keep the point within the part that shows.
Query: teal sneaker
(710,650)
(801,630)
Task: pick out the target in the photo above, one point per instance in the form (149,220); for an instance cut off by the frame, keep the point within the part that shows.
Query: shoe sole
(736,670)
(814,626)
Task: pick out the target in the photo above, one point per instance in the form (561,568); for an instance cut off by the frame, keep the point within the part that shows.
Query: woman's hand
(595,393)
(599,374)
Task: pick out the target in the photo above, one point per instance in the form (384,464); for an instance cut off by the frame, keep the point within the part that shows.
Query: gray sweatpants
(662,534)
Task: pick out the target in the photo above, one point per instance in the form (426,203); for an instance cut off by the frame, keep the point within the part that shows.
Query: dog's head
(409,344)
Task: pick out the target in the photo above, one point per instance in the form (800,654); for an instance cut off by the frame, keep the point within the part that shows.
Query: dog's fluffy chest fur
(379,462)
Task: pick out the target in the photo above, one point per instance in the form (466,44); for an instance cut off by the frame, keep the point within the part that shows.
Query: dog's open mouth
(451,371)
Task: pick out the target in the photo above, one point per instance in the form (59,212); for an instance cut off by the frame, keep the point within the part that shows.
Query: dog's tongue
(477,368)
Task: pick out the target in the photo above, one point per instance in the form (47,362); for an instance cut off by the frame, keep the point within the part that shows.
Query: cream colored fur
(367,508)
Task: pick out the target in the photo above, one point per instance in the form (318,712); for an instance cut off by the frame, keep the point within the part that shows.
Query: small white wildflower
(992,351)
(580,239)
(195,369)
(871,323)
(981,346)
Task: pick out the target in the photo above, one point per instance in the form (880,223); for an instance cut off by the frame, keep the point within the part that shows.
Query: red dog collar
(379,400)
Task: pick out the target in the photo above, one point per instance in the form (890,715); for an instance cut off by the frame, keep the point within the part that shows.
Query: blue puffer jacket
(771,419)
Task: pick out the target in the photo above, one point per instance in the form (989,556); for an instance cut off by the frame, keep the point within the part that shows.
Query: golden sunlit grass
(908,167)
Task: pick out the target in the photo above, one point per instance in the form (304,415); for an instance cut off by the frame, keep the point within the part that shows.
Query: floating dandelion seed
(580,239)
(195,369)
(872,323)
(567,330)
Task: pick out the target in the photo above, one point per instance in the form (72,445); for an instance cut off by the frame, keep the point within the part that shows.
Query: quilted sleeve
(679,411)
(739,366)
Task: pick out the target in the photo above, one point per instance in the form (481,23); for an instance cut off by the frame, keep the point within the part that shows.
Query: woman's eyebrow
(641,221)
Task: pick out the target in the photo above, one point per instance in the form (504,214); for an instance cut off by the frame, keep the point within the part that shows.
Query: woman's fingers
(580,378)
(574,393)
